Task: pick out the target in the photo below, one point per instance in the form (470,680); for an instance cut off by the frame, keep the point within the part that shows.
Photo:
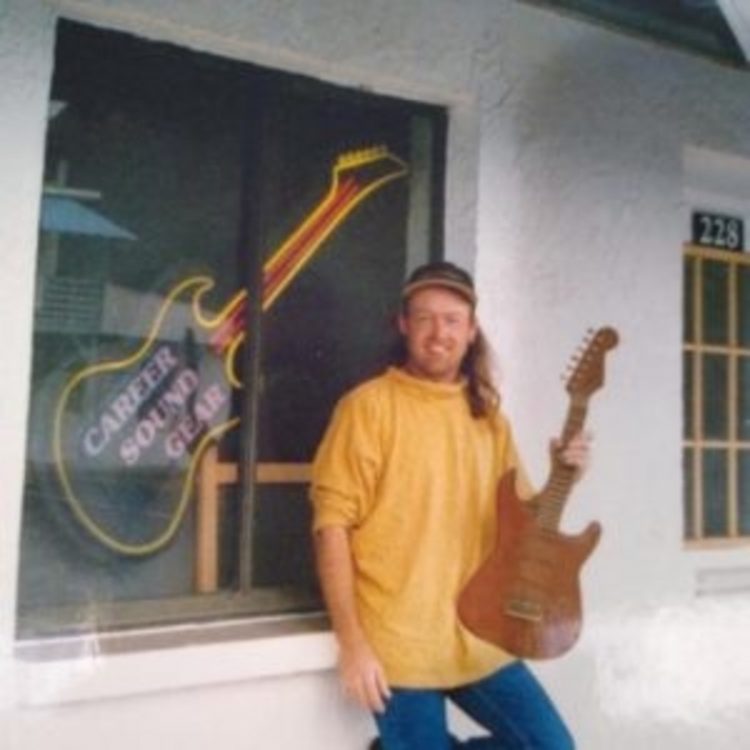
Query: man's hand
(362,676)
(576,454)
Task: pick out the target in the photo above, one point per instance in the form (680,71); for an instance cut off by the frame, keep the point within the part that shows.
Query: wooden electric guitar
(526,597)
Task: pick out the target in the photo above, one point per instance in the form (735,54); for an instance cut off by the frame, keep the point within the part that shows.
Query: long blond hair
(481,392)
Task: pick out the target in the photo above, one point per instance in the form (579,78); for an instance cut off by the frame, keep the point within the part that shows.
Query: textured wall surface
(26,38)
(581,223)
(566,188)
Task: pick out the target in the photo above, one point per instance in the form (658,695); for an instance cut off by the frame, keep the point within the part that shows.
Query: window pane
(743,398)
(330,325)
(744,492)
(143,179)
(282,555)
(688,333)
(688,488)
(715,397)
(743,305)
(715,512)
(715,302)
(687,396)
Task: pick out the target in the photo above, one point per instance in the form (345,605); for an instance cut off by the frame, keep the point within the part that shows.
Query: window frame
(245,601)
(694,350)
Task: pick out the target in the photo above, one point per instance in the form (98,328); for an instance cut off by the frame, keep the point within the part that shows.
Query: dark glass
(715,392)
(715,296)
(688,307)
(688,492)
(687,395)
(282,555)
(743,492)
(331,325)
(743,305)
(743,398)
(715,487)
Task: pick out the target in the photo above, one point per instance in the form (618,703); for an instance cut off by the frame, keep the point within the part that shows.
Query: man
(403,493)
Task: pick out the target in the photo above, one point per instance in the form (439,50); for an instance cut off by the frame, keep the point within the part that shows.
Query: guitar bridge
(523,609)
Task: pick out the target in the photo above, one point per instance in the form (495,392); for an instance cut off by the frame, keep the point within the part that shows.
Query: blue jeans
(510,704)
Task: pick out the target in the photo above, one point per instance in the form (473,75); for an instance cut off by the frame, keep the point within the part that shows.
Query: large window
(220,251)
(716,366)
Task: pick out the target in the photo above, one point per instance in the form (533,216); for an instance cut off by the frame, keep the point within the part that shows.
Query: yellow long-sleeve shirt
(412,474)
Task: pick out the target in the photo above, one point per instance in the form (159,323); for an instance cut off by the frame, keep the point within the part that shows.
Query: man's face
(438,327)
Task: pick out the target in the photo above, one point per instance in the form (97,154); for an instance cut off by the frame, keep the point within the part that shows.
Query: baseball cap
(443,274)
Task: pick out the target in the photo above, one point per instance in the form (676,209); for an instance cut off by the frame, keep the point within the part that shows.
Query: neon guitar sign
(156,409)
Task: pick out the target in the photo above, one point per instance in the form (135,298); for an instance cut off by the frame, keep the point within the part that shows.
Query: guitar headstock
(362,156)
(588,368)
(369,167)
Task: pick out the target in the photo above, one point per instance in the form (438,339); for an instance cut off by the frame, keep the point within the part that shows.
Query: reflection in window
(687,390)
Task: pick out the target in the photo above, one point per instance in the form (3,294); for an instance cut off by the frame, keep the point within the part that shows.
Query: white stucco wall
(565,176)
(583,160)
(26,40)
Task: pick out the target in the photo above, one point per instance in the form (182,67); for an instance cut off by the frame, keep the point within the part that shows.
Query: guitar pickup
(524,610)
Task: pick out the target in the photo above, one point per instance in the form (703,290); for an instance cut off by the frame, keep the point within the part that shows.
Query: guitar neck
(587,377)
(551,500)
(356,176)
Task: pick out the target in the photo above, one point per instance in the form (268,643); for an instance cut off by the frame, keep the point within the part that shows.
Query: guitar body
(526,596)
(129,430)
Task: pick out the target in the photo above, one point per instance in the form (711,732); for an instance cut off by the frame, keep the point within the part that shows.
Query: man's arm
(361,674)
